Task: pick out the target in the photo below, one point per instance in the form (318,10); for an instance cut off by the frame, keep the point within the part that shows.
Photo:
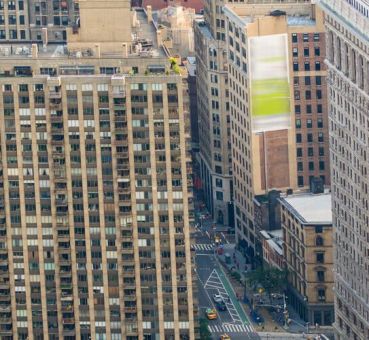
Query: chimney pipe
(159,37)
(34,51)
(45,36)
(149,13)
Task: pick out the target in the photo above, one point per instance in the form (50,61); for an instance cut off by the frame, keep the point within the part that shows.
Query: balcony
(55,95)
(68,321)
(55,104)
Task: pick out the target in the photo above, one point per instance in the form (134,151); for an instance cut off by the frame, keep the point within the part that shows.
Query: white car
(217,298)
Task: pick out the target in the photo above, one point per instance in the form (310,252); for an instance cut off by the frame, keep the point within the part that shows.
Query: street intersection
(212,280)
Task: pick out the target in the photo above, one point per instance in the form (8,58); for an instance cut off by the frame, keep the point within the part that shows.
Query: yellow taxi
(225,337)
(211,313)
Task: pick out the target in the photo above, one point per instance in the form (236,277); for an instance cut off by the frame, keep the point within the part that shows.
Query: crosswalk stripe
(202,246)
(230,328)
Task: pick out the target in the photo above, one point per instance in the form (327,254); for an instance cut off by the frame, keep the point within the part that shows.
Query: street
(212,280)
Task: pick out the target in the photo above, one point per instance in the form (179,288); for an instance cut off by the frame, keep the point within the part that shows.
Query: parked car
(221,306)
(217,298)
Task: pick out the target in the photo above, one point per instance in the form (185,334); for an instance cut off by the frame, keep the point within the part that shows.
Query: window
(297,95)
(308,95)
(299,152)
(321,151)
(310,152)
(306,37)
(307,81)
(300,166)
(310,137)
(317,51)
(311,166)
(219,195)
(307,66)
(309,123)
(295,66)
(298,123)
(320,257)
(298,138)
(321,165)
(318,229)
(300,181)
(319,242)
(320,276)
(306,51)
(317,66)
(294,37)
(319,108)
(321,294)
(308,109)
(320,123)
(297,109)
(318,80)
(219,183)
(320,137)
(319,94)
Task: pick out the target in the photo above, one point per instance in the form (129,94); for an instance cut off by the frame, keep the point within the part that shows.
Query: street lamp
(285,312)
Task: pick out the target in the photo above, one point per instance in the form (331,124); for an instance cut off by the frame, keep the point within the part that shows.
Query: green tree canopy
(204,330)
(271,279)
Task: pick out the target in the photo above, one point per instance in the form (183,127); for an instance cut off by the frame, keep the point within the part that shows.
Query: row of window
(301,181)
(309,137)
(307,66)
(311,166)
(309,123)
(307,80)
(308,94)
(310,152)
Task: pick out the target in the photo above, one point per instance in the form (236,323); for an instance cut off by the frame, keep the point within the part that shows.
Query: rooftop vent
(317,185)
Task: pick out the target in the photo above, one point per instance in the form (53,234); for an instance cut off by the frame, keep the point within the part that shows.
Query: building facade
(31,20)
(280,143)
(213,112)
(95,193)
(308,252)
(347,25)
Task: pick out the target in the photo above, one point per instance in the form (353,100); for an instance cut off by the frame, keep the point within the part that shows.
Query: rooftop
(292,20)
(310,208)
(144,45)
(198,5)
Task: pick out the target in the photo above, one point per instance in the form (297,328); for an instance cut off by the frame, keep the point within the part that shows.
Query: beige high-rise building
(277,90)
(213,112)
(95,186)
(347,25)
(307,249)
(35,20)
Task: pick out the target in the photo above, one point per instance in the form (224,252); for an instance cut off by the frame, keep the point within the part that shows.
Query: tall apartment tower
(279,122)
(95,186)
(347,25)
(35,20)
(213,112)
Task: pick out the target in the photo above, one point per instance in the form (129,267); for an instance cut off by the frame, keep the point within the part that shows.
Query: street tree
(271,279)
(204,330)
